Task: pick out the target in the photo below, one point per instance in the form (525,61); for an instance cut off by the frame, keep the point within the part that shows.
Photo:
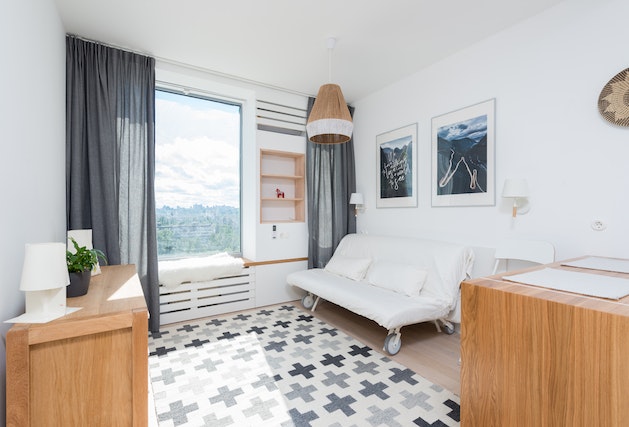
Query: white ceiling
(282,43)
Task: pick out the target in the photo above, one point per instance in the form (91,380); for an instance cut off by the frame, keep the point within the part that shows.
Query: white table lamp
(44,280)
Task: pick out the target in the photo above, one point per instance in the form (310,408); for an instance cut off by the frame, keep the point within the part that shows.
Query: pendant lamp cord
(331,44)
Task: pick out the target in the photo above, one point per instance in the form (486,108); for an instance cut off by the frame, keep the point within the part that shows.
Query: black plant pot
(79,284)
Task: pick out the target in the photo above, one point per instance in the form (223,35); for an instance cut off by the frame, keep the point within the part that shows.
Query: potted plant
(80,264)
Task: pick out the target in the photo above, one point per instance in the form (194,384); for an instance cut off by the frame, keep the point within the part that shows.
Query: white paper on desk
(603,264)
(596,285)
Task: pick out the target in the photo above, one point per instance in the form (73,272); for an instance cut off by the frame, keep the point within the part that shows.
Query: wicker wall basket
(613,102)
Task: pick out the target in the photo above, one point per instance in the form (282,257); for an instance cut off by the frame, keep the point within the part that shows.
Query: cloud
(197,155)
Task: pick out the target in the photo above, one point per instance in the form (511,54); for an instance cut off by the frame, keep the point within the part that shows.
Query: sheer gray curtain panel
(110,156)
(331,179)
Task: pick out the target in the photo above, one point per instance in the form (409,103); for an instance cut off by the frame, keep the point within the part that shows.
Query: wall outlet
(598,225)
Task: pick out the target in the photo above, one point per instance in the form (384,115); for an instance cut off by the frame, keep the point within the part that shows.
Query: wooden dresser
(536,357)
(89,368)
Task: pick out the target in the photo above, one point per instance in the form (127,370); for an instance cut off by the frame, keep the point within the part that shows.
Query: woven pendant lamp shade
(330,121)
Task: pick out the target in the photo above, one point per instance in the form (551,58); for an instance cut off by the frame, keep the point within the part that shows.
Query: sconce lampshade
(44,267)
(330,121)
(515,188)
(356,199)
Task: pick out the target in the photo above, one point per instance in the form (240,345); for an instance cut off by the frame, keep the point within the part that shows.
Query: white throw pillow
(352,268)
(401,278)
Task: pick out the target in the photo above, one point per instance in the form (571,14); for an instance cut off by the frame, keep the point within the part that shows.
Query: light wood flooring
(433,355)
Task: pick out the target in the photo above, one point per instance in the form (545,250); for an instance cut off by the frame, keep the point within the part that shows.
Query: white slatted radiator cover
(194,300)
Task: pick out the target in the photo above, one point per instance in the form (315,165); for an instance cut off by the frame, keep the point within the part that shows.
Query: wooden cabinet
(282,186)
(532,356)
(89,368)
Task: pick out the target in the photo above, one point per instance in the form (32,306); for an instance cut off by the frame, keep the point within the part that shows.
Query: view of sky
(197,152)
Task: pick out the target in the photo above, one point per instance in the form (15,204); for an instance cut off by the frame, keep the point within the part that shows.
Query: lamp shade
(329,121)
(515,188)
(356,199)
(44,267)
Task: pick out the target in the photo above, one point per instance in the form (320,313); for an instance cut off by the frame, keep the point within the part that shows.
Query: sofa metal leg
(436,322)
(315,303)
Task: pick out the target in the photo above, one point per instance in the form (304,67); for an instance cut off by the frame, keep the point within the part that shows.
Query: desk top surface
(116,290)
(601,304)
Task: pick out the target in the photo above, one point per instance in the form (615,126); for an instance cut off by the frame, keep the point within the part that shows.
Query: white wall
(546,75)
(32,141)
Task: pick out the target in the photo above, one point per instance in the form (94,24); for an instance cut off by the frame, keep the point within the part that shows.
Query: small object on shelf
(280,193)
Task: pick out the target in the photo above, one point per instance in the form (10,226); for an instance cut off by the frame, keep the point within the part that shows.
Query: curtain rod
(197,68)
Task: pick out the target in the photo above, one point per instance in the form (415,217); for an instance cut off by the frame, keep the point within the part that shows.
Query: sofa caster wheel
(392,344)
(308,301)
(448,328)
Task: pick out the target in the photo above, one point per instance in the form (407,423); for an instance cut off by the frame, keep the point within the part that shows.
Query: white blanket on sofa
(173,273)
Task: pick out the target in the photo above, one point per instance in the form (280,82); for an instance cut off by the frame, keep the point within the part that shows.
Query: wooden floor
(433,355)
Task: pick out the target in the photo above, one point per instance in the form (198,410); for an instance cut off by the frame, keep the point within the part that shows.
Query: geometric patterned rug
(281,366)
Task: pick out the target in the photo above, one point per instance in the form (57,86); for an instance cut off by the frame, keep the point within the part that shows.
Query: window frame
(175,78)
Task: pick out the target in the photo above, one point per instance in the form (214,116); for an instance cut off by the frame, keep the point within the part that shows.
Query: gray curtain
(110,156)
(331,179)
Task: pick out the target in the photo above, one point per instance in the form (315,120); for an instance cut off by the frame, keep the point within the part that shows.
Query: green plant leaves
(83,258)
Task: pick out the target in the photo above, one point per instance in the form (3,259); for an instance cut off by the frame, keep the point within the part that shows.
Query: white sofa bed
(394,281)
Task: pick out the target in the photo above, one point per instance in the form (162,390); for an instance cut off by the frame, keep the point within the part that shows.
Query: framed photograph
(397,168)
(463,170)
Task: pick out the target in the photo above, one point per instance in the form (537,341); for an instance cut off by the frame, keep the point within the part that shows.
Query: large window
(197,175)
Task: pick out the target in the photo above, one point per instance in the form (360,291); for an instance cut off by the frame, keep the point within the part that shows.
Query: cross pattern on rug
(280,366)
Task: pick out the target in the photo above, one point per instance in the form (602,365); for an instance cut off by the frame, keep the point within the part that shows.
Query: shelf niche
(284,171)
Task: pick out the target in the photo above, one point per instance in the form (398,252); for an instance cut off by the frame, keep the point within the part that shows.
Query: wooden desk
(89,368)
(537,357)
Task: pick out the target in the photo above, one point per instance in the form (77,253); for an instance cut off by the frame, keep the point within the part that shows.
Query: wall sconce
(44,280)
(358,201)
(518,190)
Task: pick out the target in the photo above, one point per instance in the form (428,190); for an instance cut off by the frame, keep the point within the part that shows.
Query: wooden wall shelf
(282,170)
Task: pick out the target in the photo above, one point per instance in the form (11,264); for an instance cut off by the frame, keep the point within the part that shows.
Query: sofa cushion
(401,278)
(352,268)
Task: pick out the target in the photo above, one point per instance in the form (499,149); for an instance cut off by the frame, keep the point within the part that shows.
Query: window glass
(197,175)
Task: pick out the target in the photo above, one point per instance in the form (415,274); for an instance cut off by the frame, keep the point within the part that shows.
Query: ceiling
(282,43)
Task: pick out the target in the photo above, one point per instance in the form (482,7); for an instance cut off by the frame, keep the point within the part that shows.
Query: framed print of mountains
(463,145)
(397,168)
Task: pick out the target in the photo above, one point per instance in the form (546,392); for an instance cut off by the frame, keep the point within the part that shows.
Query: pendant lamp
(330,121)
